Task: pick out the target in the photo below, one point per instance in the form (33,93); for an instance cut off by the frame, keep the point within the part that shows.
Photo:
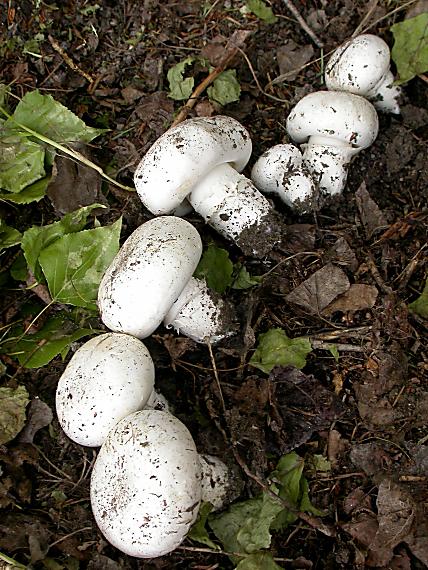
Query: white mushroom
(150,280)
(280,171)
(200,159)
(362,66)
(335,126)
(146,484)
(216,481)
(108,378)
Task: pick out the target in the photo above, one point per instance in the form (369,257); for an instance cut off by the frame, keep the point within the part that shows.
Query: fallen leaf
(362,527)
(371,458)
(410,49)
(420,306)
(155,111)
(371,216)
(13,402)
(317,292)
(39,416)
(276,349)
(341,253)
(291,57)
(357,298)
(357,500)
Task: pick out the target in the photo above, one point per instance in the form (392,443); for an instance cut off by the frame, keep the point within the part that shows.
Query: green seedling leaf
(8,236)
(334,352)
(21,161)
(225,88)
(44,115)
(276,349)
(410,50)
(321,463)
(179,87)
(75,263)
(38,349)
(305,502)
(32,193)
(244,280)
(198,532)
(216,268)
(259,561)
(420,306)
(37,238)
(259,9)
(12,412)
(4,95)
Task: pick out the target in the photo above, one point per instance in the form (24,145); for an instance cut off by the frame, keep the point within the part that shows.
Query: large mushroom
(200,159)
(146,484)
(150,281)
(332,127)
(362,66)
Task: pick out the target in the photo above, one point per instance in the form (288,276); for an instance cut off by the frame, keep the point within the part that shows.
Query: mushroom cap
(216,481)
(182,156)
(108,378)
(148,275)
(341,117)
(146,484)
(358,65)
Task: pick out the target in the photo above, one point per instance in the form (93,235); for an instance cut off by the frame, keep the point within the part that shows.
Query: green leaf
(321,463)
(18,269)
(198,532)
(32,193)
(21,161)
(38,349)
(259,9)
(225,88)
(12,412)
(37,238)
(74,264)
(276,349)
(259,561)
(44,115)
(179,87)
(334,352)
(410,50)
(8,236)
(420,306)
(305,502)
(244,280)
(216,268)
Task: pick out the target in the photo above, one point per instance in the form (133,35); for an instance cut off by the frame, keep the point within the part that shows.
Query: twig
(217,379)
(303,24)
(372,7)
(341,347)
(69,535)
(237,39)
(398,9)
(68,59)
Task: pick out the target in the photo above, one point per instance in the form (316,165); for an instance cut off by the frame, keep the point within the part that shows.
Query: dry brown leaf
(357,298)
(371,216)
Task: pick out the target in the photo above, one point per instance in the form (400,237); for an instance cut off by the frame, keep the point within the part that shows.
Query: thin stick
(69,535)
(216,376)
(68,59)
(303,24)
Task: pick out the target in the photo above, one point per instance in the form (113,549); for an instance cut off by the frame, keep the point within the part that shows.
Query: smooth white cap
(148,275)
(184,155)
(146,484)
(108,378)
(337,117)
(215,481)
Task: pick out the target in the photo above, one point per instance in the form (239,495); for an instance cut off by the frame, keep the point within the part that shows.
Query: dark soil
(365,411)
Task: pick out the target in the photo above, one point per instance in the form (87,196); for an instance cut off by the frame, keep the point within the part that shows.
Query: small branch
(231,49)
(303,24)
(73,66)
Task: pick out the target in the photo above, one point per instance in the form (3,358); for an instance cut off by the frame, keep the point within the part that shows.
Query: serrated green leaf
(225,88)
(198,532)
(8,236)
(410,50)
(420,306)
(276,349)
(180,88)
(21,161)
(216,268)
(259,561)
(74,264)
(32,193)
(44,115)
(38,349)
(37,238)
(244,280)
(12,412)
(259,9)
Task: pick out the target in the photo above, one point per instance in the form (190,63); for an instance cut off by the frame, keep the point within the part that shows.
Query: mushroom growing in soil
(108,378)
(362,66)
(332,127)
(146,484)
(280,171)
(150,280)
(200,159)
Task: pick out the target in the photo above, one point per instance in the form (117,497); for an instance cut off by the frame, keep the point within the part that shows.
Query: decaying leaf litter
(347,287)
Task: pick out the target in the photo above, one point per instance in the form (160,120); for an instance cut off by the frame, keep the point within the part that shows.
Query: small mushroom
(217,487)
(362,66)
(200,159)
(332,127)
(150,280)
(280,171)
(108,378)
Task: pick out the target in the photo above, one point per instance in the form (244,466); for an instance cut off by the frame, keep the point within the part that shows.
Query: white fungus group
(148,480)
